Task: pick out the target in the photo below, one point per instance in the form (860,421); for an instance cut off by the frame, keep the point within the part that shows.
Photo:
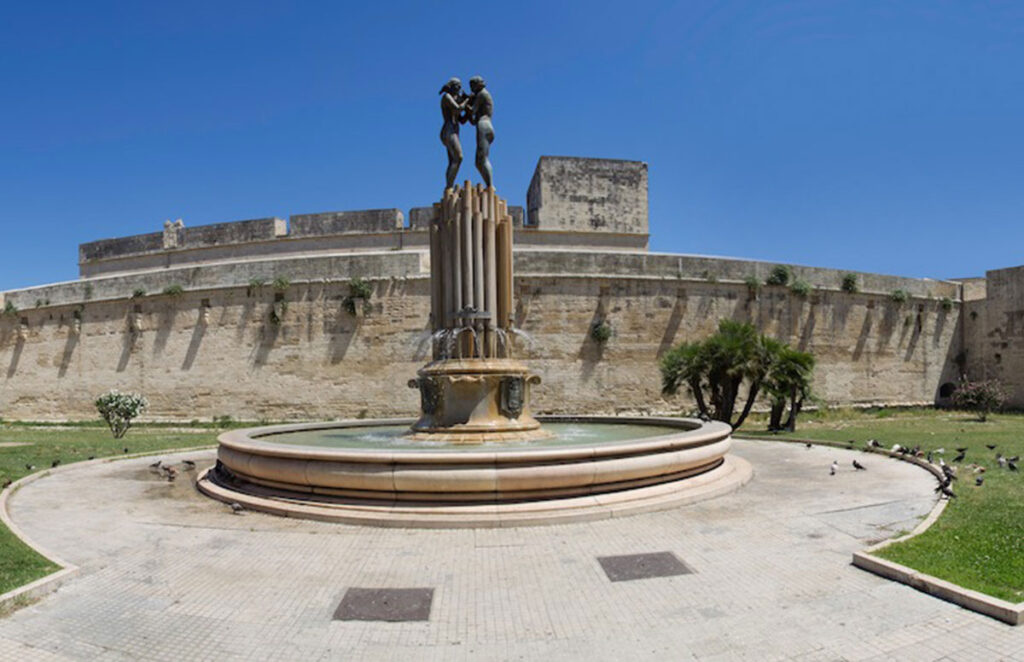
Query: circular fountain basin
(372,472)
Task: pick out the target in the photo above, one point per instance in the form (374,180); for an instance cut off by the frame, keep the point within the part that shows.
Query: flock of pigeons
(168,471)
(949,471)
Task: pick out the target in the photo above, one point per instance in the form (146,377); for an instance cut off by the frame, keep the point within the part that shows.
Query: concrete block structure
(227,347)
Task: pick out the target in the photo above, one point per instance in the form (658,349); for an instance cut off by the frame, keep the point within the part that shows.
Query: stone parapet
(370,221)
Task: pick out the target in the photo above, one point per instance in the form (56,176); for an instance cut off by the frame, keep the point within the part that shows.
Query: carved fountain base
(476,400)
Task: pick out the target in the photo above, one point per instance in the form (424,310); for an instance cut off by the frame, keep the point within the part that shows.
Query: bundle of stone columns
(471,274)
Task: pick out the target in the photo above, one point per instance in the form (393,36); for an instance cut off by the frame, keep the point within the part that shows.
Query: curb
(1002,610)
(50,583)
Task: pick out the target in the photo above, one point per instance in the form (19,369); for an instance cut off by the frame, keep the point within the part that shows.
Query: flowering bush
(118,409)
(982,397)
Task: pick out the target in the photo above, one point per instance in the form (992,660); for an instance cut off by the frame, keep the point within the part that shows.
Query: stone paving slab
(167,574)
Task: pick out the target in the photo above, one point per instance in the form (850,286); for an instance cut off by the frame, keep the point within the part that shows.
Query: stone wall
(215,350)
(589,195)
(994,343)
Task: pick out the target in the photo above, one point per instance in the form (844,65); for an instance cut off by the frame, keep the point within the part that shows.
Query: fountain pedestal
(473,390)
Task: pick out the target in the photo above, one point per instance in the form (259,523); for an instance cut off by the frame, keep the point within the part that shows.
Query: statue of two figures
(457,108)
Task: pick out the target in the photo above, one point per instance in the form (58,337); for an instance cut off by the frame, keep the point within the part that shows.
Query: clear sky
(878,136)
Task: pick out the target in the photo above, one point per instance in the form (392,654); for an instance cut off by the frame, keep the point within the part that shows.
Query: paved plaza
(167,574)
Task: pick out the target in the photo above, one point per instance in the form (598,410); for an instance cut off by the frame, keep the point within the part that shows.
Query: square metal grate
(642,566)
(385,604)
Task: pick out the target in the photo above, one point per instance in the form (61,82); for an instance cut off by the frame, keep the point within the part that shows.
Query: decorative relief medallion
(513,395)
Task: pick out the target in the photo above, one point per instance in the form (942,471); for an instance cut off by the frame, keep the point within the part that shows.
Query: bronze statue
(453,110)
(481,109)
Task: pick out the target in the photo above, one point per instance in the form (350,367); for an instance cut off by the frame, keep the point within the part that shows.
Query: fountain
(476,456)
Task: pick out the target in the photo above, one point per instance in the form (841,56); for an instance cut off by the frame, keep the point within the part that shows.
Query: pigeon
(858,466)
(960,457)
(189,465)
(7,483)
(126,450)
(991,447)
(808,444)
(962,449)
(929,457)
(1001,460)
(946,492)
(873,443)
(896,448)
(155,465)
(237,508)
(29,467)
(92,457)
(948,472)
(940,451)
(1015,458)
(832,469)
(850,442)
(1012,465)
(979,480)
(53,465)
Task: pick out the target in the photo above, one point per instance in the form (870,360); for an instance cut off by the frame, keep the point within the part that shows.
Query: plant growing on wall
(601,331)
(10,309)
(281,284)
(981,397)
(138,293)
(753,284)
(88,291)
(779,275)
(849,284)
(716,369)
(174,290)
(899,296)
(946,304)
(120,409)
(360,291)
(255,286)
(800,288)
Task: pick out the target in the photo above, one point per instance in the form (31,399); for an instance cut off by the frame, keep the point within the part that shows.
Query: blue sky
(880,136)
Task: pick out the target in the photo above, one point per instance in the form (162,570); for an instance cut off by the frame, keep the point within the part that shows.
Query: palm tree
(788,381)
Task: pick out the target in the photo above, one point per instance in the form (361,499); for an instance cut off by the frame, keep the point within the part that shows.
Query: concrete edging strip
(50,583)
(1003,610)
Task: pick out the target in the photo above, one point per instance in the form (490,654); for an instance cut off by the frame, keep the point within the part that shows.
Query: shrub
(946,304)
(982,397)
(801,288)
(899,296)
(138,293)
(88,291)
(118,409)
(223,421)
(174,290)
(753,286)
(601,331)
(779,275)
(10,309)
(281,284)
(849,283)
(360,289)
(710,276)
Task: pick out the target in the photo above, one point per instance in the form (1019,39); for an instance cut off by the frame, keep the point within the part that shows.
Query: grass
(19,564)
(978,542)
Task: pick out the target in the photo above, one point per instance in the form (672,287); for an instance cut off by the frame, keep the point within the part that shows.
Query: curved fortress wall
(231,343)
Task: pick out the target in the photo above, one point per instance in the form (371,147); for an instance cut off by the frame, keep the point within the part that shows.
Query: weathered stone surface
(588,195)
(994,331)
(346,222)
(237,232)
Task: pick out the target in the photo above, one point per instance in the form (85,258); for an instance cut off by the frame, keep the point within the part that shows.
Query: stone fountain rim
(695,433)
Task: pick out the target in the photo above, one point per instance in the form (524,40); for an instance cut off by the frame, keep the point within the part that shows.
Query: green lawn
(978,542)
(20,565)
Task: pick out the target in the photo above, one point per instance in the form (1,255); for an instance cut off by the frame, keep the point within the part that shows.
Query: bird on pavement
(808,444)
(155,465)
(189,464)
(237,508)
(858,466)
(873,443)
(832,468)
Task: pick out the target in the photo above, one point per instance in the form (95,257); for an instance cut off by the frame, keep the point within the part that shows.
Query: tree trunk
(751,396)
(698,395)
(775,420)
(794,409)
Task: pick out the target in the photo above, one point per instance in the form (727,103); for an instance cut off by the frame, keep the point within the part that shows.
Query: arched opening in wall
(947,390)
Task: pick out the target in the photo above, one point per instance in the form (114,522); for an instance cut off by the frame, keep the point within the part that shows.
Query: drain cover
(385,604)
(642,566)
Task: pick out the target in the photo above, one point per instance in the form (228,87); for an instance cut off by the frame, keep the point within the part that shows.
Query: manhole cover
(642,566)
(385,604)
